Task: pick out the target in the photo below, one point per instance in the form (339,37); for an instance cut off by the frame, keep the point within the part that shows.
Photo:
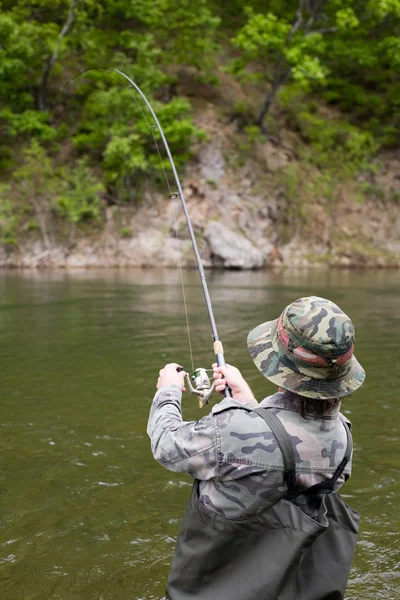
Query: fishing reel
(200,385)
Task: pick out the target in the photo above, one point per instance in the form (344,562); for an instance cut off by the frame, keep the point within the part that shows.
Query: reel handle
(227,391)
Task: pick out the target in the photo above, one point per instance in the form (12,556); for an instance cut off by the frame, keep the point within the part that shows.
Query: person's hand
(169,375)
(232,376)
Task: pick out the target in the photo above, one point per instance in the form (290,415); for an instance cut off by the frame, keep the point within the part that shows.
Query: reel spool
(200,385)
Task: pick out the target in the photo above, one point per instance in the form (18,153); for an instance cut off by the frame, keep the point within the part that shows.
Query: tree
(32,38)
(44,42)
(321,45)
(289,41)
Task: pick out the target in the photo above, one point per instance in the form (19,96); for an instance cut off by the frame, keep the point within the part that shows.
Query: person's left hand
(169,375)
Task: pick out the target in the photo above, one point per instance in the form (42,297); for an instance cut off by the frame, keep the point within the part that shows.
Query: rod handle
(219,355)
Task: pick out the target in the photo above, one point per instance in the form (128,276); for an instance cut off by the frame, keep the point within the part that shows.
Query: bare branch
(42,99)
(298,22)
(327,30)
(315,16)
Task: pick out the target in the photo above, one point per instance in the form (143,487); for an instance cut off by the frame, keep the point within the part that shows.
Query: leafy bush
(119,127)
(8,220)
(336,139)
(80,199)
(346,52)
(42,43)
(28,123)
(39,192)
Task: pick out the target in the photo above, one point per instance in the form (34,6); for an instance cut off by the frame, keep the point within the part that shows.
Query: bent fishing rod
(199,382)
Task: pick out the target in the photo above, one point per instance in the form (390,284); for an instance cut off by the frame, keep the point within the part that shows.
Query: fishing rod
(199,382)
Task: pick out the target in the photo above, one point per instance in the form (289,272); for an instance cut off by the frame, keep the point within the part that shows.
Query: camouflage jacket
(236,457)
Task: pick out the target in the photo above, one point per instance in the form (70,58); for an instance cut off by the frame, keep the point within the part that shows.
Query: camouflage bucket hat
(308,350)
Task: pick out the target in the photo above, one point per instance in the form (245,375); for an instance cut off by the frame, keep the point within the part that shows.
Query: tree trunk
(41,217)
(279,80)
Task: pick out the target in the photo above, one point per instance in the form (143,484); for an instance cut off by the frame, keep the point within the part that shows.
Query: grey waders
(278,554)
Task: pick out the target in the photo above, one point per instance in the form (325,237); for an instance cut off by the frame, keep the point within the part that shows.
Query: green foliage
(43,42)
(8,220)
(92,139)
(347,52)
(28,123)
(36,176)
(254,134)
(121,132)
(80,200)
(336,141)
(270,38)
(262,33)
(125,232)
(303,58)
(372,190)
(295,189)
(74,192)
(245,143)
(186,29)
(32,225)
(395,196)
(382,8)
(39,190)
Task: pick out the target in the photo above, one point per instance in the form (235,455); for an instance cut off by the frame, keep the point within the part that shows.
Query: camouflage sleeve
(184,446)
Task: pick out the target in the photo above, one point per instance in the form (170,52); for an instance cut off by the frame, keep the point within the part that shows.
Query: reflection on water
(85,512)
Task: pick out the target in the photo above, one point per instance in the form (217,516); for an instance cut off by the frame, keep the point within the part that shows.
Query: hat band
(308,357)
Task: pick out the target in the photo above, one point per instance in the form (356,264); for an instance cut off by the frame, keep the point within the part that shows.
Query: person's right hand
(230,375)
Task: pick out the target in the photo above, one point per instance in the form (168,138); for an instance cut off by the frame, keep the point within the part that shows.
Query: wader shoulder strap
(349,450)
(285,445)
(326,487)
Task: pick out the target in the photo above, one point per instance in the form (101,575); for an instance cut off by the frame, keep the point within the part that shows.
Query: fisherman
(264,521)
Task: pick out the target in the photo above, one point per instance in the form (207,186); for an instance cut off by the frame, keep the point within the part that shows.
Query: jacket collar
(289,401)
(282,400)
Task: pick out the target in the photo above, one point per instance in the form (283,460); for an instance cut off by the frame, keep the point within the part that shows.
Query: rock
(393,246)
(270,252)
(231,200)
(274,256)
(274,157)
(263,212)
(230,249)
(294,253)
(212,163)
(188,191)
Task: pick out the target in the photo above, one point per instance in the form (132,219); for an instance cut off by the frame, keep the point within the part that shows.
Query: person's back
(250,464)
(237,459)
(246,500)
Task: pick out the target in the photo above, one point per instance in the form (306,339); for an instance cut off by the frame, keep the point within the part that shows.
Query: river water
(85,511)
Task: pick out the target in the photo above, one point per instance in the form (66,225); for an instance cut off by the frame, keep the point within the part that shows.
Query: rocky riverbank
(245,214)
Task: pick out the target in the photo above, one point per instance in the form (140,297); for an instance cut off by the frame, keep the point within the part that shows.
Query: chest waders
(278,554)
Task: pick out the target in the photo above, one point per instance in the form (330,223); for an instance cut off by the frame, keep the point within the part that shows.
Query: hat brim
(278,368)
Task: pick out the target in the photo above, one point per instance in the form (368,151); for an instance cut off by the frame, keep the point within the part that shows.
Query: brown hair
(318,407)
